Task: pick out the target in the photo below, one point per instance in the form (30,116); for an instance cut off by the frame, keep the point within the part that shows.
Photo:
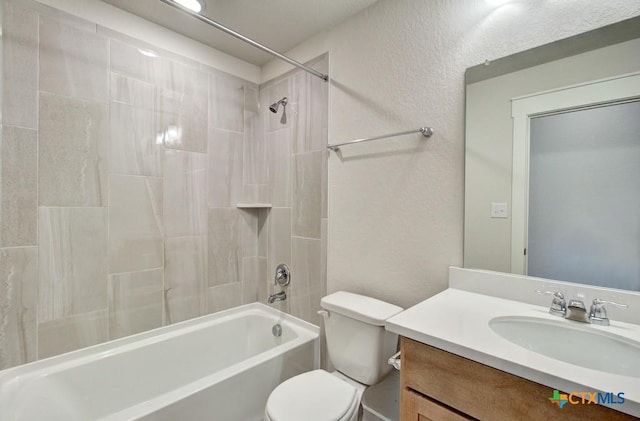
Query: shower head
(274,107)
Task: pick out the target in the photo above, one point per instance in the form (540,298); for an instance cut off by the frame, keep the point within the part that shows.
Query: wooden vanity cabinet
(439,386)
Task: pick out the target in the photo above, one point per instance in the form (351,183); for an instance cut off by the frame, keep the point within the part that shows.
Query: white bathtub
(217,367)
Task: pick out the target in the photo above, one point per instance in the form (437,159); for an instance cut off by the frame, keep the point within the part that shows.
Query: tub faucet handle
(283,275)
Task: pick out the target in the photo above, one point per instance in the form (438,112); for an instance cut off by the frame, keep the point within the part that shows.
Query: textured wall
(396,207)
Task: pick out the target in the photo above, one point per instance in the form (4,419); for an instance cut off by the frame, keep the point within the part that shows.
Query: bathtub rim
(80,356)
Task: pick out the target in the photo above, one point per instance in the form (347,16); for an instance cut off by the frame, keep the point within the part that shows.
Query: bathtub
(217,367)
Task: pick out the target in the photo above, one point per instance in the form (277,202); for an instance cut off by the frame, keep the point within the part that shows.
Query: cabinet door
(416,407)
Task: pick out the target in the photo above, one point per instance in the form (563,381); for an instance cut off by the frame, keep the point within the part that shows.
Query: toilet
(359,347)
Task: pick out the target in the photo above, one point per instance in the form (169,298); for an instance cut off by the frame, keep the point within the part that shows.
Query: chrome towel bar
(426,132)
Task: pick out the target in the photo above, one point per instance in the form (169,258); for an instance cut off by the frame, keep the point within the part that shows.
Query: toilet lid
(312,396)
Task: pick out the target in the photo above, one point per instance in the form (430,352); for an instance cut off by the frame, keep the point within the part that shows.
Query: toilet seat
(313,396)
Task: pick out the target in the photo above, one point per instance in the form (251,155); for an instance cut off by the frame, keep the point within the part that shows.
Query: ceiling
(277,24)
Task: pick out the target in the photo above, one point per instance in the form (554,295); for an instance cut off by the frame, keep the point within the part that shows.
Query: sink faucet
(279,296)
(577,311)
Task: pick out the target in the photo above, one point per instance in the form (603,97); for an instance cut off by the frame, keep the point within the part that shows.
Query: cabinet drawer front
(416,407)
(484,392)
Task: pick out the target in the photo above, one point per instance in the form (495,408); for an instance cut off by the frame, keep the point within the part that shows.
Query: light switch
(499,210)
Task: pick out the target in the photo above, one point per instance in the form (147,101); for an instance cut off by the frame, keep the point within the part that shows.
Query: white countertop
(457,321)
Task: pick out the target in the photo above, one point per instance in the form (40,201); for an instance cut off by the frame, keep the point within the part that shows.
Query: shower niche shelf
(254,206)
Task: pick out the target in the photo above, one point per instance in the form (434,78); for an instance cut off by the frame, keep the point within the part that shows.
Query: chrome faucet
(577,311)
(278,296)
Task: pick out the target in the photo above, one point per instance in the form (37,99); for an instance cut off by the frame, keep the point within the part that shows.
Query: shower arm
(246,39)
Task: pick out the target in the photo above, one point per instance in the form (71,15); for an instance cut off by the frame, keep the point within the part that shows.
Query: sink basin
(572,343)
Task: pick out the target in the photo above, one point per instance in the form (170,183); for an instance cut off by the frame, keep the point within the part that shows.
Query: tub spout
(280,296)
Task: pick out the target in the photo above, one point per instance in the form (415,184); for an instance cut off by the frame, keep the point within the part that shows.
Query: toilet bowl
(358,346)
(314,396)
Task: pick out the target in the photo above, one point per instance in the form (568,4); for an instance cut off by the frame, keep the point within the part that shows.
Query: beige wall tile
(279,144)
(18,305)
(225,246)
(73,262)
(135,302)
(134,92)
(249,232)
(135,149)
(226,102)
(186,93)
(185,193)
(185,278)
(255,193)
(19,65)
(323,257)
(73,151)
(225,168)
(129,61)
(306,290)
(71,333)
(183,132)
(73,62)
(324,186)
(307,194)
(18,187)
(300,123)
(135,224)
(279,239)
(224,297)
(263,232)
(317,117)
(254,284)
(251,100)
(255,150)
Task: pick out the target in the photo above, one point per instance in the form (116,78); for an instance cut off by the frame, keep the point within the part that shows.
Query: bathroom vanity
(439,385)
(474,355)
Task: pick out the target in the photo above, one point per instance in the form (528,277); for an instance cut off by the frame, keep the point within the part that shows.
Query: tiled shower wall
(121,169)
(297,167)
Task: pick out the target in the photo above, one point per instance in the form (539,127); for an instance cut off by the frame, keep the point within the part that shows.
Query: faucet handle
(558,305)
(283,275)
(598,314)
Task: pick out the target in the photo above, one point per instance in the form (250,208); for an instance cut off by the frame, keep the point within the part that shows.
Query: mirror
(509,97)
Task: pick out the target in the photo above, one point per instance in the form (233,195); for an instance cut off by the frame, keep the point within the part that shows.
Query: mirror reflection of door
(584,196)
(576,183)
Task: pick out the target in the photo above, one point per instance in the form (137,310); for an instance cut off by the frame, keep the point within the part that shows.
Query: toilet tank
(358,344)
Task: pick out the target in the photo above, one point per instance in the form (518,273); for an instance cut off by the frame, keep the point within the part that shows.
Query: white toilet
(359,348)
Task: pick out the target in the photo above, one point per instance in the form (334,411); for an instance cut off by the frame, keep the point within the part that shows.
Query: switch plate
(499,210)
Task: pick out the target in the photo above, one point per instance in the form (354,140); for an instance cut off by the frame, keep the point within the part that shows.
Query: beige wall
(488,160)
(396,206)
